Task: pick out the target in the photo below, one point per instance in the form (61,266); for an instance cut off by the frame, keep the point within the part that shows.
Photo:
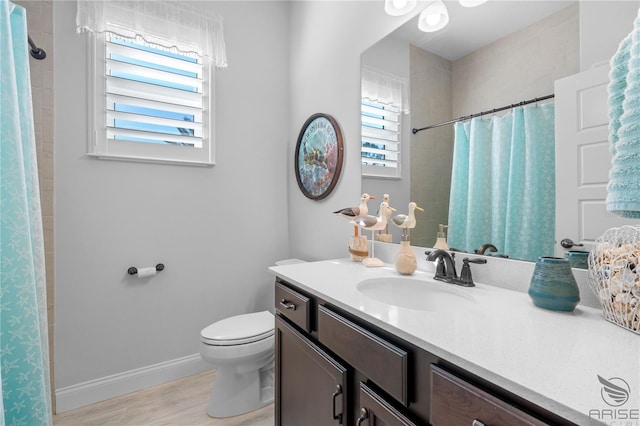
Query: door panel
(311,386)
(582,159)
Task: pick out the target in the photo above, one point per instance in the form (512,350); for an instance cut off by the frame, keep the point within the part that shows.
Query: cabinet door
(311,387)
(376,411)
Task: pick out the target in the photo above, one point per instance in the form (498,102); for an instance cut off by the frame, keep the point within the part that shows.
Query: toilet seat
(239,329)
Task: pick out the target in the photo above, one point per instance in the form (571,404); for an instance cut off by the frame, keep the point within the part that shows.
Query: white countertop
(550,358)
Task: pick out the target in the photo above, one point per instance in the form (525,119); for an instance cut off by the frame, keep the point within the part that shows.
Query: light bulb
(471,3)
(399,7)
(434,17)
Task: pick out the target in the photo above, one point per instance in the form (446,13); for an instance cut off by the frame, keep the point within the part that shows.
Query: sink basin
(417,294)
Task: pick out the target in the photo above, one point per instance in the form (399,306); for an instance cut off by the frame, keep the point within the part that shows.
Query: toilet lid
(240,329)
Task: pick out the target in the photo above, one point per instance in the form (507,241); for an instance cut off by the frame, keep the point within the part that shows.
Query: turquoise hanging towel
(623,191)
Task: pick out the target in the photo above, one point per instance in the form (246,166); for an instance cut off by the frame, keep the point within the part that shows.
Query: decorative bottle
(553,285)
(441,239)
(406,262)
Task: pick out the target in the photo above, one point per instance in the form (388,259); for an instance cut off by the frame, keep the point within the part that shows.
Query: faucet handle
(465,274)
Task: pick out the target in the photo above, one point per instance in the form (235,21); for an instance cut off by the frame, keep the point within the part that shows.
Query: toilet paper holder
(133,270)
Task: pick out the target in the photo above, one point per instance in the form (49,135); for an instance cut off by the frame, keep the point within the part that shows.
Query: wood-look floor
(178,403)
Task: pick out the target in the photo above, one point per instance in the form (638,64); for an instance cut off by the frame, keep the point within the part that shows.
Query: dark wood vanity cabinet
(311,386)
(333,368)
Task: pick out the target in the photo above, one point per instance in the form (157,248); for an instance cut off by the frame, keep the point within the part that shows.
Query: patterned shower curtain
(503,183)
(24,355)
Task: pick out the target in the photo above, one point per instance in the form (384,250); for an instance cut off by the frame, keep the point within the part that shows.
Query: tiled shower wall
(40,24)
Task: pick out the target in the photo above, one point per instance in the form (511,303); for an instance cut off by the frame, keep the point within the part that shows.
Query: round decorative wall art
(319,156)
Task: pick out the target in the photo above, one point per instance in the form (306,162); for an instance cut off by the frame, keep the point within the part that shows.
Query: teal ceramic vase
(578,258)
(553,285)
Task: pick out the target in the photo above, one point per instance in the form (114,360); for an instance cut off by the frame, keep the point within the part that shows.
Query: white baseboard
(86,393)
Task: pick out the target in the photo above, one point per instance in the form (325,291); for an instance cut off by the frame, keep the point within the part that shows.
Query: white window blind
(153,96)
(150,103)
(384,100)
(380,139)
(152,93)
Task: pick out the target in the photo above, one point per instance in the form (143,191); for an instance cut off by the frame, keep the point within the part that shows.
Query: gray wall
(216,229)
(431,150)
(603,25)
(522,65)
(326,41)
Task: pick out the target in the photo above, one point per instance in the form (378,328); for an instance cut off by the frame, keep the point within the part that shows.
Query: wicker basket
(614,272)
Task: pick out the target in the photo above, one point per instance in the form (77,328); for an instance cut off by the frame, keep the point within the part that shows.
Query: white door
(582,159)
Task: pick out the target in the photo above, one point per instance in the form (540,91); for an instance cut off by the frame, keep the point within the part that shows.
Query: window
(152,72)
(151,104)
(380,134)
(384,101)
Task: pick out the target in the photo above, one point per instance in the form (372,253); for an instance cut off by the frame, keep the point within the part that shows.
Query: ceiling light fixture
(399,7)
(434,17)
(471,3)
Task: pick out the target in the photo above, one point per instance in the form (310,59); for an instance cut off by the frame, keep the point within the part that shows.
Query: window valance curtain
(189,30)
(385,89)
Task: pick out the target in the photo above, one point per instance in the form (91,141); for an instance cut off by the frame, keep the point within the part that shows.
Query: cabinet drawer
(455,401)
(294,306)
(382,362)
(374,410)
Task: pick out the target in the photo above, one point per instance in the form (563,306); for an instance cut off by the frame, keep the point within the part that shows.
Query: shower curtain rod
(35,51)
(468,117)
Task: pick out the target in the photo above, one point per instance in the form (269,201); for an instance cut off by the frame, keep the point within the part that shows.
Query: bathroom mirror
(489,56)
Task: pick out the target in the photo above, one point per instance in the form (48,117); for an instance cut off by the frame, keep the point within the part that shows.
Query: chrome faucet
(446,267)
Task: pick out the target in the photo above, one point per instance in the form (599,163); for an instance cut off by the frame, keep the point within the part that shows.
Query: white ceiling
(472,28)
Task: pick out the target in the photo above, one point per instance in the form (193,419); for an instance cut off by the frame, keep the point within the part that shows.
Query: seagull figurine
(374,223)
(355,213)
(387,198)
(407,221)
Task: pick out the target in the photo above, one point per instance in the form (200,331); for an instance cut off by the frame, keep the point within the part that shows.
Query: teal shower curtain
(24,355)
(503,183)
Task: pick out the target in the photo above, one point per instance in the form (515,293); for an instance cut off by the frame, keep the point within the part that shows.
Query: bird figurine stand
(373,261)
(384,235)
(406,262)
(358,250)
(373,224)
(358,243)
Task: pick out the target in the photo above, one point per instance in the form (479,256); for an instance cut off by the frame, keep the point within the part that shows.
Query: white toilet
(242,349)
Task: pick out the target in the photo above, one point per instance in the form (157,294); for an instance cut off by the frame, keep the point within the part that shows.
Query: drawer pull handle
(287,305)
(477,422)
(336,393)
(364,415)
